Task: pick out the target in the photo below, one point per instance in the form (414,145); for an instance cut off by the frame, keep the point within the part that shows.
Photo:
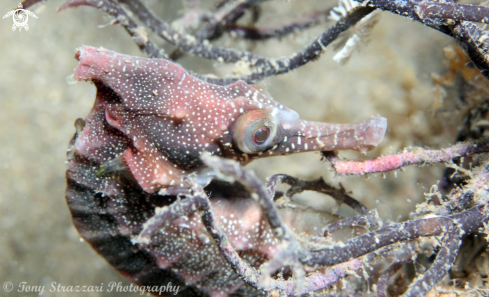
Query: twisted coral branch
(200,202)
(312,282)
(455,11)
(248,274)
(475,42)
(137,33)
(254,33)
(164,215)
(256,188)
(216,25)
(451,227)
(344,259)
(384,279)
(432,14)
(261,66)
(443,262)
(474,39)
(369,219)
(318,185)
(415,157)
(468,221)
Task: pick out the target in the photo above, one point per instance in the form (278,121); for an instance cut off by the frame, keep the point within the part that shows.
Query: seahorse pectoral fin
(151,171)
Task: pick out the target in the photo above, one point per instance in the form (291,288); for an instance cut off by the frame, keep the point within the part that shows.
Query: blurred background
(390,77)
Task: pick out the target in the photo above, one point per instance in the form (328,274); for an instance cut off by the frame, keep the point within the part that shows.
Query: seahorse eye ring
(254,131)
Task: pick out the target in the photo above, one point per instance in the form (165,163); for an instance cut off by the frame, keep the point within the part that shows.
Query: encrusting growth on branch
(319,185)
(435,15)
(416,156)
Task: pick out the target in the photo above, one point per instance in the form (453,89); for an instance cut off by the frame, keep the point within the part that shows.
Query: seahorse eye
(261,135)
(254,131)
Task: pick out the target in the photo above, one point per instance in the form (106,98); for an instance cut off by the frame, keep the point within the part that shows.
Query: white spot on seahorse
(321,144)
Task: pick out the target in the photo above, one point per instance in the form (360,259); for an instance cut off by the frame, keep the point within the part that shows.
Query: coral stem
(415,157)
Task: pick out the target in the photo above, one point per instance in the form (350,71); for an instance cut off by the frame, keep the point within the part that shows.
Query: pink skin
(165,118)
(151,120)
(247,231)
(417,156)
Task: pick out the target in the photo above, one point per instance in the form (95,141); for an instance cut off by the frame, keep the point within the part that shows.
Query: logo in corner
(20,17)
